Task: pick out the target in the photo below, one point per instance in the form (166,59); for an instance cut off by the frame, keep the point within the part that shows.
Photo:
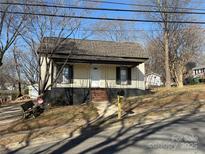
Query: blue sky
(199,4)
(113,14)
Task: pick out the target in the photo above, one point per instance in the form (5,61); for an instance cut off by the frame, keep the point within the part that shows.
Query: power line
(119,30)
(141,5)
(122,30)
(102,9)
(102,18)
(102,30)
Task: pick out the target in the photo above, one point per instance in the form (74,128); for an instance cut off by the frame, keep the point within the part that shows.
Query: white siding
(43,68)
(82,77)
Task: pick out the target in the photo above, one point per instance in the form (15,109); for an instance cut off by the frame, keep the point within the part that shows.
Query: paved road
(10,113)
(184,135)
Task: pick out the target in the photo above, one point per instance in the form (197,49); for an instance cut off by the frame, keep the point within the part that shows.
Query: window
(123,75)
(66,76)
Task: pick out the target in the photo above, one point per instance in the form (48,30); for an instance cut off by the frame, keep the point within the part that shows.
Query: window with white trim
(66,76)
(123,75)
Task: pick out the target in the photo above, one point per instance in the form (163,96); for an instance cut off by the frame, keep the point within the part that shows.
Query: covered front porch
(94,82)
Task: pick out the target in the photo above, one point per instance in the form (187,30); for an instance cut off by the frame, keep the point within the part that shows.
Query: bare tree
(115,31)
(29,66)
(185,47)
(7,73)
(167,28)
(17,67)
(10,26)
(39,29)
(156,57)
(201,59)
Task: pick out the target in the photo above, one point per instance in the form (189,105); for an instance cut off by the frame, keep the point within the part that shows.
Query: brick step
(99,95)
(99,92)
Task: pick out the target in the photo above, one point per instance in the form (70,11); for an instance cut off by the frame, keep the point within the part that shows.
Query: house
(153,79)
(199,71)
(8,86)
(95,70)
(33,91)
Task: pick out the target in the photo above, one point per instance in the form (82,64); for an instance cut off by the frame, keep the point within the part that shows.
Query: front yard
(162,104)
(54,122)
(166,103)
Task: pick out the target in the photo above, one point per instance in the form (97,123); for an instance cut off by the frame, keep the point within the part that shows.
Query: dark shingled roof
(93,51)
(94,48)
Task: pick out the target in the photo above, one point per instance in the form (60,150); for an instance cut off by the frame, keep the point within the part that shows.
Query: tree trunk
(20,91)
(166,46)
(1,58)
(17,71)
(180,82)
(179,77)
(167,69)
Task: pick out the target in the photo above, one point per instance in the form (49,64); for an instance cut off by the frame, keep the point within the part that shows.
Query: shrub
(14,95)
(192,81)
(196,80)
(202,80)
(7,94)
(26,91)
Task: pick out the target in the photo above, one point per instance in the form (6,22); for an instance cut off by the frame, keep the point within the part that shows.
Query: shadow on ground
(114,142)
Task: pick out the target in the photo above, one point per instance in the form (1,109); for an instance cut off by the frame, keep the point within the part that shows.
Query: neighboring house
(33,91)
(153,79)
(9,86)
(95,70)
(12,85)
(199,71)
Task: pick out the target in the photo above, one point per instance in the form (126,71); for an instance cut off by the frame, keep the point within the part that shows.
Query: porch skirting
(70,96)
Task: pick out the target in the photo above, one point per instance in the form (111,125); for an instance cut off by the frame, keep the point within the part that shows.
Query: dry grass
(162,104)
(55,117)
(166,103)
(51,123)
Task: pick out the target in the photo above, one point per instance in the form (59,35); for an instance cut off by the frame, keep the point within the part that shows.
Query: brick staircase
(99,94)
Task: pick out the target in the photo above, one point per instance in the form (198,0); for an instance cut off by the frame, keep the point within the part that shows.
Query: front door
(95,76)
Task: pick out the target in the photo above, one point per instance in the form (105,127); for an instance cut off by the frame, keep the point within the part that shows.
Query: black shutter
(118,80)
(60,77)
(129,75)
(71,73)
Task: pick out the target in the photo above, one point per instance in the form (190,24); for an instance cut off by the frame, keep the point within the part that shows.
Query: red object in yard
(39,100)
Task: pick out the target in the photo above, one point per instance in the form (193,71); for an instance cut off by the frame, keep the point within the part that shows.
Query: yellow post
(119,104)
